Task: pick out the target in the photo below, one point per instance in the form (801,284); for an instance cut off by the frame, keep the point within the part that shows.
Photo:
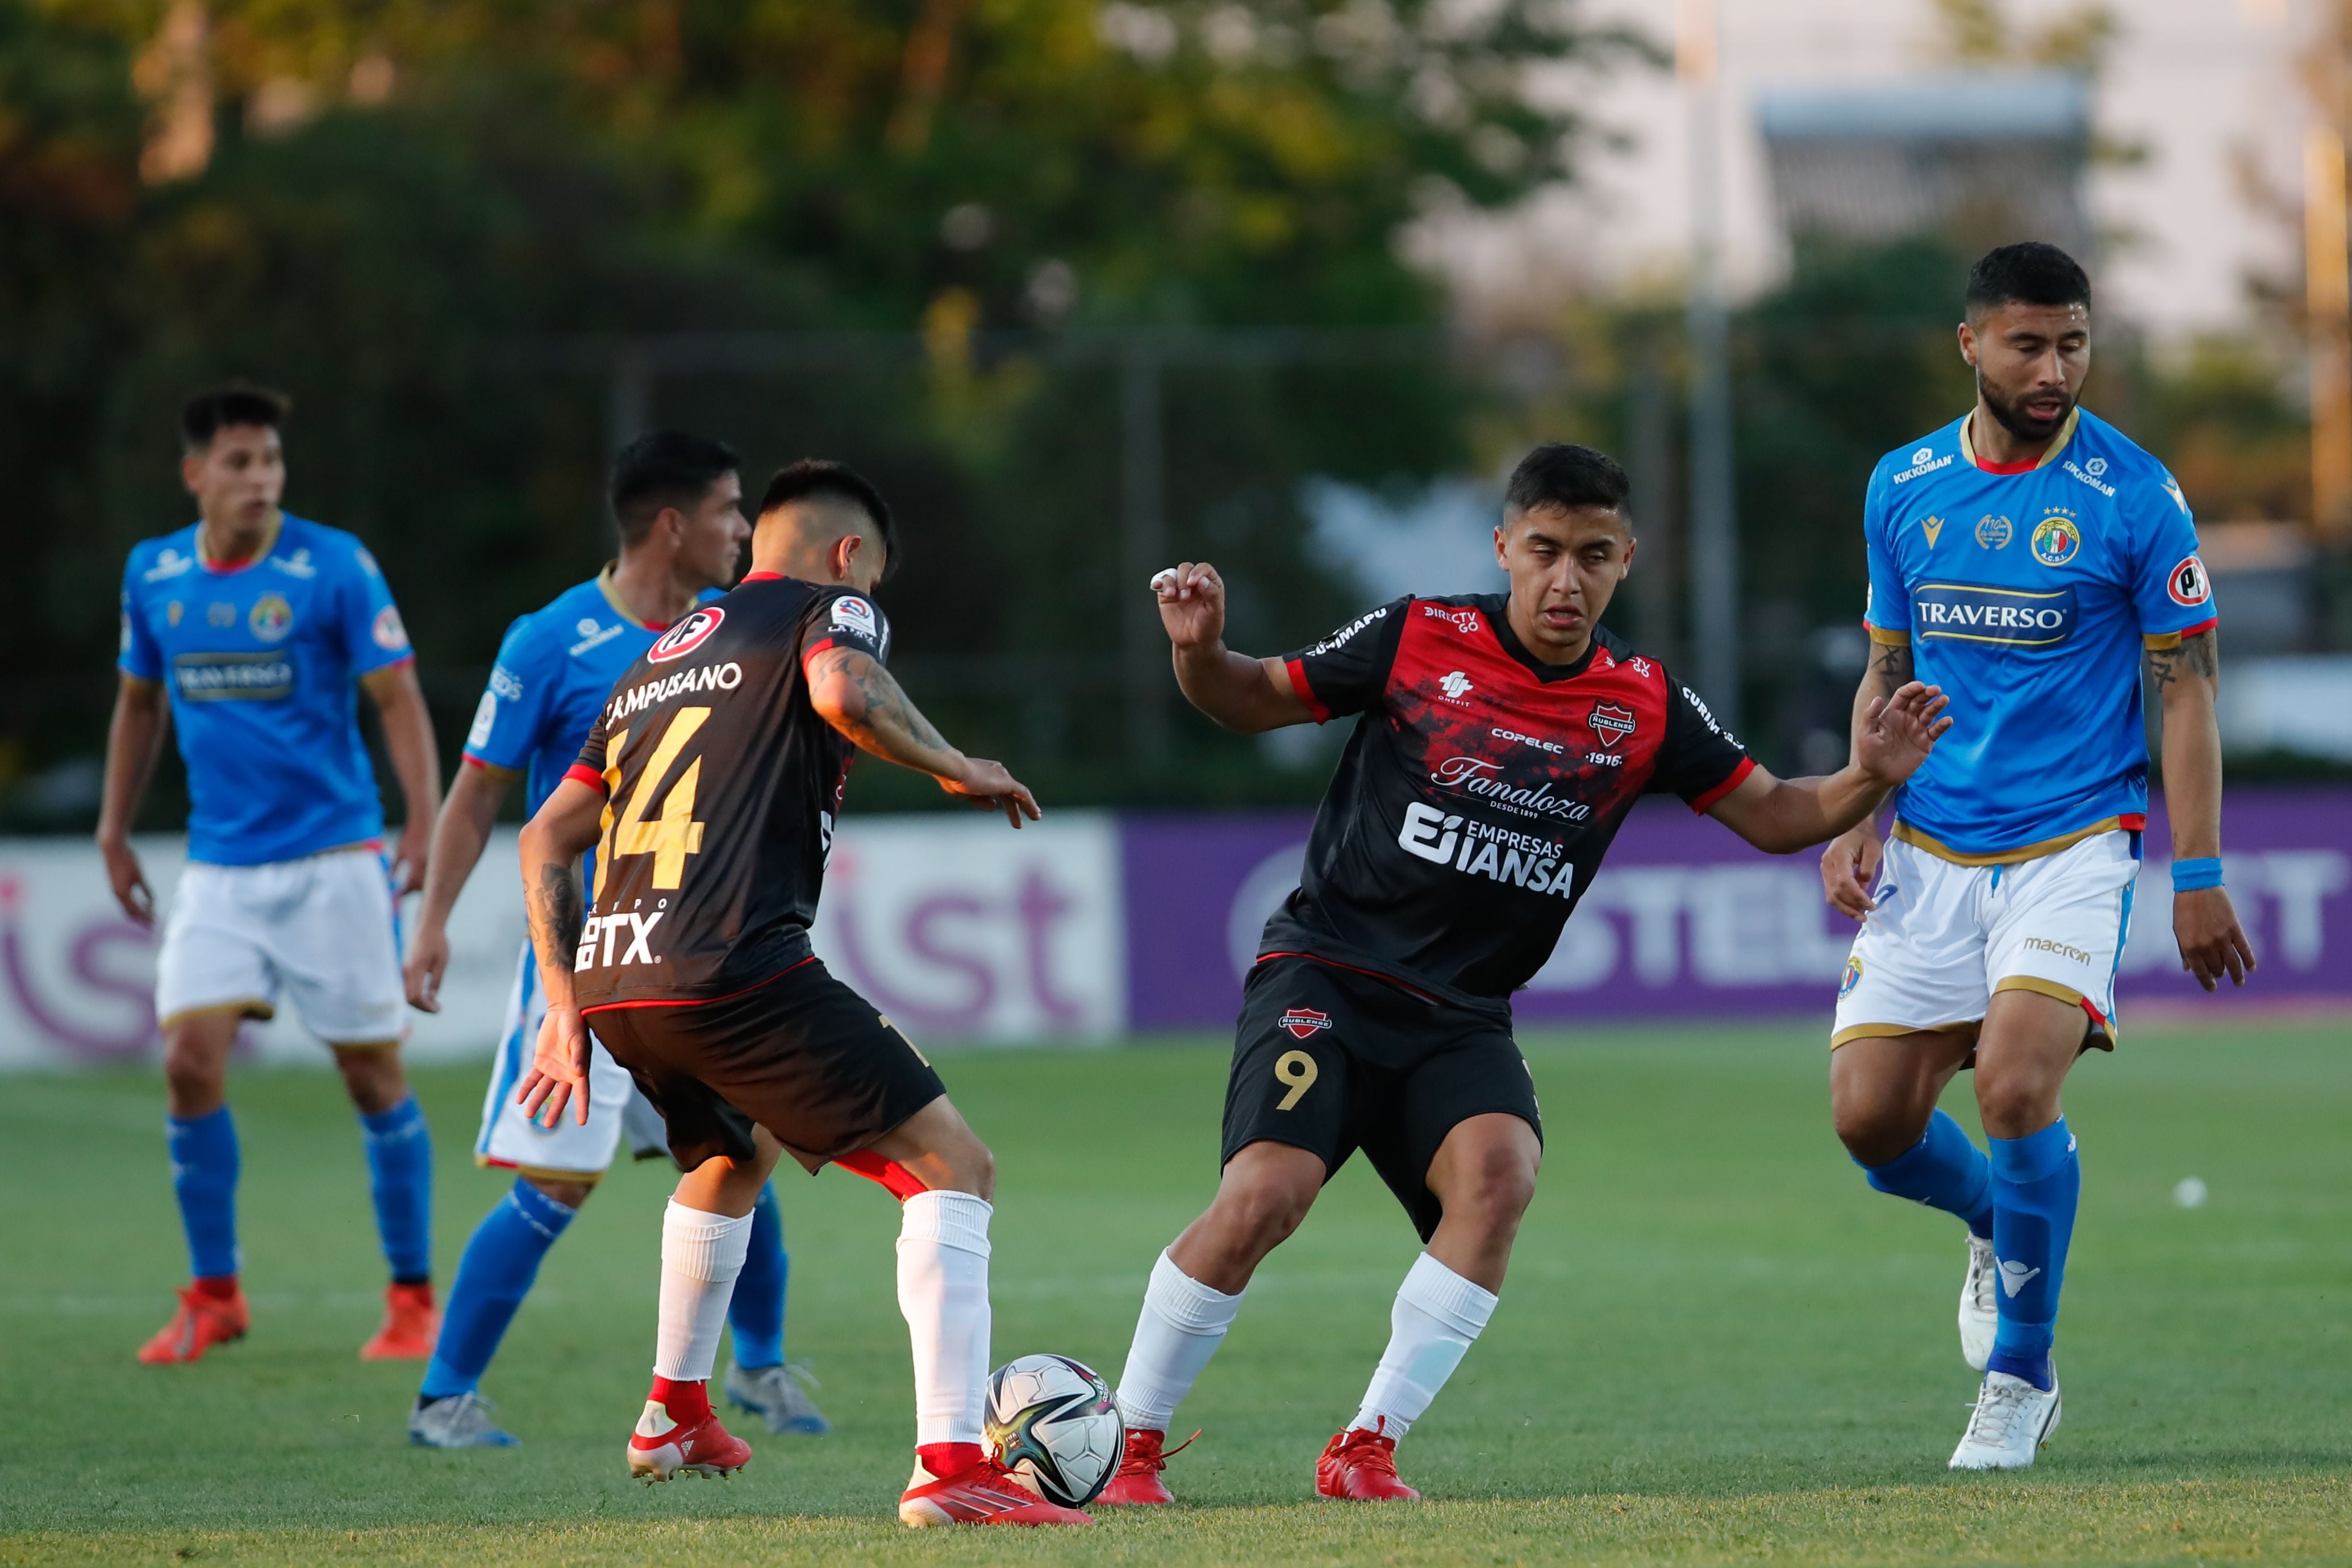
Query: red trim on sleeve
(817,648)
(582,773)
(1306,692)
(2207,624)
(2133,821)
(764,576)
(408,657)
(1705,802)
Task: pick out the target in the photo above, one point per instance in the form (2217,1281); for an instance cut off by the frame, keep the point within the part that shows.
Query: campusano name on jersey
(1479,791)
(723,786)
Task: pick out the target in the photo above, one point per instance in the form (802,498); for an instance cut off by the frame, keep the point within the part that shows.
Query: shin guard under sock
(2036,1181)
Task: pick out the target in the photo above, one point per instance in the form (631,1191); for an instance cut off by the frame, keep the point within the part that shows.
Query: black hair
(665,469)
(214,409)
(2028,274)
(816,477)
(1557,476)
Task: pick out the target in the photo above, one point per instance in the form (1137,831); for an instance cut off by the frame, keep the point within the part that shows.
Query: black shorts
(1331,1061)
(801,1055)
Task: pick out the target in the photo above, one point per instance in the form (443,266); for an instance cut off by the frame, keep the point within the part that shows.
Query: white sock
(1437,1314)
(943,1295)
(1182,1323)
(701,1255)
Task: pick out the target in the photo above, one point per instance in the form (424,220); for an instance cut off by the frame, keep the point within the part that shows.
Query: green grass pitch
(1716,1345)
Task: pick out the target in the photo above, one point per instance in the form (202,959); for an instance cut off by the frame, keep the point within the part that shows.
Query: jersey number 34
(673,835)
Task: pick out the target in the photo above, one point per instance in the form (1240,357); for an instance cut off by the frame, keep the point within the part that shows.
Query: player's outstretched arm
(1246,695)
(135,739)
(552,843)
(459,834)
(1850,864)
(416,761)
(1781,815)
(851,691)
(2204,922)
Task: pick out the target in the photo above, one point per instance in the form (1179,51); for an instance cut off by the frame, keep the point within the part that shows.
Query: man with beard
(2025,558)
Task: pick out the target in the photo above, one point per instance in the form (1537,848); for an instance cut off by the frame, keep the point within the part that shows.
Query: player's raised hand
(2213,943)
(428,960)
(1898,732)
(1849,866)
(559,1068)
(1191,604)
(991,788)
(127,880)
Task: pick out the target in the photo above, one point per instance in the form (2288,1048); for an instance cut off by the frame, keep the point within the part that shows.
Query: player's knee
(2014,1104)
(1875,1132)
(196,1078)
(1261,1214)
(372,1077)
(1496,1193)
(571,1194)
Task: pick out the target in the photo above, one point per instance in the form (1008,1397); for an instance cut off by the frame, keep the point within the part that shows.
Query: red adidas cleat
(203,1321)
(1138,1480)
(1360,1465)
(661,1446)
(410,1324)
(983,1492)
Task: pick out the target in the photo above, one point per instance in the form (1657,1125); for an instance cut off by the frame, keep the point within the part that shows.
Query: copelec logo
(687,636)
(1301,1022)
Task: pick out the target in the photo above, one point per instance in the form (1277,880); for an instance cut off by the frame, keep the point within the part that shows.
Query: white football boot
(1979,1303)
(2012,1420)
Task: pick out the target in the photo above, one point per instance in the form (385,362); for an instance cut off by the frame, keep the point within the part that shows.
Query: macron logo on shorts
(1304,1021)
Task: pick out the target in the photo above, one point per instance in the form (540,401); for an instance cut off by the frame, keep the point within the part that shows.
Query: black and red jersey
(722,785)
(1479,791)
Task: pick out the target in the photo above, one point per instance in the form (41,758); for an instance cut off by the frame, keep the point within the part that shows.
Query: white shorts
(1945,936)
(323,929)
(567,1150)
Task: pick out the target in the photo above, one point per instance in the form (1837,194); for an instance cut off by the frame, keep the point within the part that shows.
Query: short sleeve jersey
(555,668)
(723,787)
(259,662)
(1479,791)
(2029,597)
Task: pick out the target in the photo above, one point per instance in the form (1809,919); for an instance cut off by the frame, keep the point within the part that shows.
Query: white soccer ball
(1054,1424)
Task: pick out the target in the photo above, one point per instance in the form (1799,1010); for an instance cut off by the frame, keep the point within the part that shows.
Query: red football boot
(204,1319)
(679,1432)
(1138,1480)
(410,1324)
(980,1492)
(1361,1465)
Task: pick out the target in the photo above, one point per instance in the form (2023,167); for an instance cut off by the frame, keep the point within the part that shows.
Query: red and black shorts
(1332,1059)
(800,1054)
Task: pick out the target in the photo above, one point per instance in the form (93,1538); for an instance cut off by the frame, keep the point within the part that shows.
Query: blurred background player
(677,501)
(716,775)
(254,625)
(2005,895)
(1504,739)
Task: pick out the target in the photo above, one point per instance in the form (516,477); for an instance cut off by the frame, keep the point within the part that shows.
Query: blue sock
(400,1164)
(205,1167)
(756,1312)
(502,1259)
(2035,1183)
(1944,1171)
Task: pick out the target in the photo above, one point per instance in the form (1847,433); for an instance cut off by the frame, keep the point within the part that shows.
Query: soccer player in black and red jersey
(710,787)
(1503,739)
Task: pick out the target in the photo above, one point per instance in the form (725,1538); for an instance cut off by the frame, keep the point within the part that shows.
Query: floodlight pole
(1143,543)
(1714,520)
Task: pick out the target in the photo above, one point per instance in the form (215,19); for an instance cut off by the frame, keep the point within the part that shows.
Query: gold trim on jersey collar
(2058,443)
(268,542)
(604,586)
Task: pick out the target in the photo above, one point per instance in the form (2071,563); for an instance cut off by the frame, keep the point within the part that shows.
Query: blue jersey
(2028,596)
(555,668)
(260,660)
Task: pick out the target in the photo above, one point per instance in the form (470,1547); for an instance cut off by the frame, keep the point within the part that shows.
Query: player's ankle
(945,1460)
(686,1401)
(215,1286)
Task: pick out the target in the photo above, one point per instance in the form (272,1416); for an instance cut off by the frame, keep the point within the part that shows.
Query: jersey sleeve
(373,636)
(1699,761)
(141,655)
(1348,672)
(2169,588)
(847,620)
(588,768)
(513,711)
(1887,614)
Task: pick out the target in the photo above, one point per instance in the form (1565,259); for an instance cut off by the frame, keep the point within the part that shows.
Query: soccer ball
(1054,1424)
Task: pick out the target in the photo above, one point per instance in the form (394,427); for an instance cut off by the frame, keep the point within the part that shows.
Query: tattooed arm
(552,843)
(2188,679)
(852,692)
(1850,864)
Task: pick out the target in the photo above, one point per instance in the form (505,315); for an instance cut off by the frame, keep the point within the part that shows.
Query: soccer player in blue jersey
(2027,558)
(247,631)
(677,501)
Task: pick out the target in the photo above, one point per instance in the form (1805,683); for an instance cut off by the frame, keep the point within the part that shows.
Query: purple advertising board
(1686,921)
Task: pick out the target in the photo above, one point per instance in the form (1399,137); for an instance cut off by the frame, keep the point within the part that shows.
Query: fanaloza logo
(1611,724)
(1453,684)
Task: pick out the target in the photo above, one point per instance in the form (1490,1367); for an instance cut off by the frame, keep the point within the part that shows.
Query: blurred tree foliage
(386,202)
